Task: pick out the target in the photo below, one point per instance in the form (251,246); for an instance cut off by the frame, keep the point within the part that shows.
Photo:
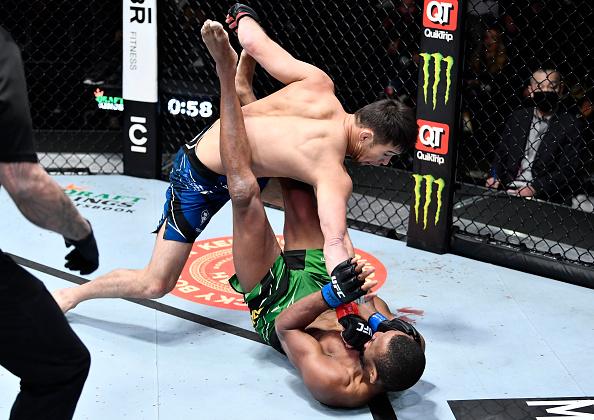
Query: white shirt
(538,129)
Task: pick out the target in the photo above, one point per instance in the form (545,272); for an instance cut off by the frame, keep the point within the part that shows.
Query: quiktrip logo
(205,276)
(442,14)
(433,137)
(429,181)
(438,59)
(437,34)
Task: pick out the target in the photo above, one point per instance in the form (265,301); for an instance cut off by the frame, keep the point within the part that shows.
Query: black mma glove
(378,322)
(356,332)
(85,255)
(345,285)
(237,12)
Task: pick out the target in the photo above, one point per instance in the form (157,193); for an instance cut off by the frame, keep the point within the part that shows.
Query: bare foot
(62,298)
(217,42)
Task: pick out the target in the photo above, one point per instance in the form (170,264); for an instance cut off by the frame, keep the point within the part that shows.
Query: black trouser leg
(38,345)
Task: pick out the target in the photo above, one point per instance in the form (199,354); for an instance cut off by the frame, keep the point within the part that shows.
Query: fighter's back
(292,133)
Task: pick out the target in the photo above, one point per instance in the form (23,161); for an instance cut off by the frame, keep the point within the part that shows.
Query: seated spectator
(542,149)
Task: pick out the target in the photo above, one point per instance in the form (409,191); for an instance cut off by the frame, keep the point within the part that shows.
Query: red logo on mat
(442,14)
(205,276)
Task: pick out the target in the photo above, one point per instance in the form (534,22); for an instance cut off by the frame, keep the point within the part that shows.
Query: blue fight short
(194,195)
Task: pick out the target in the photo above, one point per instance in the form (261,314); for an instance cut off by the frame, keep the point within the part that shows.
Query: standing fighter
(37,343)
(292,289)
(300,132)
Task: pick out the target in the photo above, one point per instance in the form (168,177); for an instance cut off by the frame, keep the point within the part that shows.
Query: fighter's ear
(373,378)
(366,136)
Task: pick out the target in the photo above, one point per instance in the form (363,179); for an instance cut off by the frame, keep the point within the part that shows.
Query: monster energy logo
(437,60)
(429,181)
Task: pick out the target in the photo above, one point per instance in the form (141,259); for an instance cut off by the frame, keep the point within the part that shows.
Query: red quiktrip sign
(433,137)
(442,14)
(205,276)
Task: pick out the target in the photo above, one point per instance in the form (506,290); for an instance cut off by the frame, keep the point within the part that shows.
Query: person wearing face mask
(541,149)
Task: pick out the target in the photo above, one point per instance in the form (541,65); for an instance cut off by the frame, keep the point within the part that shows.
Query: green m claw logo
(438,58)
(430,180)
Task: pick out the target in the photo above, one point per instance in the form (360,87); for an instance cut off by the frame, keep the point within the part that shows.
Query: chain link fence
(72,56)
(524,179)
(370,49)
(525,162)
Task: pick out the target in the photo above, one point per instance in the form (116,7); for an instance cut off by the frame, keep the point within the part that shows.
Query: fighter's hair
(402,365)
(392,123)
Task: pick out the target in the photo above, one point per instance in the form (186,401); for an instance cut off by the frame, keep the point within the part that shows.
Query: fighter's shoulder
(333,178)
(319,77)
(317,80)
(341,390)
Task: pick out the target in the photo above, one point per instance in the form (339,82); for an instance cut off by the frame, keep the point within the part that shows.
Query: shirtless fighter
(300,132)
(289,292)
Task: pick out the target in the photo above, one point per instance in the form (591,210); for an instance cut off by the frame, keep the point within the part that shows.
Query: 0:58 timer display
(189,108)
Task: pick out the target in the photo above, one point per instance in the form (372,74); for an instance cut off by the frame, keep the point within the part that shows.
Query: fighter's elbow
(281,328)
(252,41)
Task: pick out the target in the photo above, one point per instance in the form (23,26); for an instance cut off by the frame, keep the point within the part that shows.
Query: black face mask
(545,101)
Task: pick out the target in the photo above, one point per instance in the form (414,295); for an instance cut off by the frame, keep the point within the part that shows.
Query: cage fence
(524,174)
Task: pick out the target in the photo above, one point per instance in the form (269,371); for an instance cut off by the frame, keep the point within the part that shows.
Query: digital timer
(189,108)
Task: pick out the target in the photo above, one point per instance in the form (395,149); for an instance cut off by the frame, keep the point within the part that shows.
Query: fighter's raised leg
(254,244)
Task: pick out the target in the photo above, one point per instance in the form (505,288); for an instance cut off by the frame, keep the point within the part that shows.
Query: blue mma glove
(378,322)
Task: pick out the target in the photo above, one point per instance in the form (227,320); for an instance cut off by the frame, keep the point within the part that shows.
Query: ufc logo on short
(441,14)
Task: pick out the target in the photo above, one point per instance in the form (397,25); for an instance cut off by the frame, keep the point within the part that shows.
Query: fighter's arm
(325,378)
(244,77)
(332,193)
(349,244)
(276,60)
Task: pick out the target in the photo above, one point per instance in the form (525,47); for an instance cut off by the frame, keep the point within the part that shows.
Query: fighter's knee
(157,287)
(242,189)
